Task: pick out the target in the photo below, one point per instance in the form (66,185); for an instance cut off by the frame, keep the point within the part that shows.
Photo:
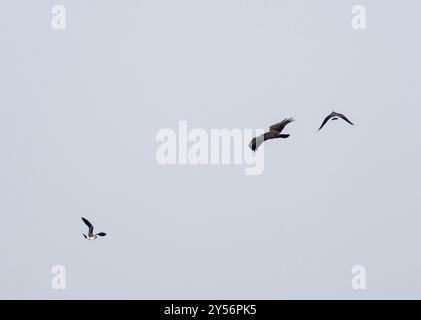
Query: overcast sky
(79,114)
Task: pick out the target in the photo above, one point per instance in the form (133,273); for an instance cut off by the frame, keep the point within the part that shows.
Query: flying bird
(91,235)
(273,133)
(334,116)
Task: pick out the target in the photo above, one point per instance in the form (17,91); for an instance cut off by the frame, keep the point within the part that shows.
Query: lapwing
(334,116)
(91,235)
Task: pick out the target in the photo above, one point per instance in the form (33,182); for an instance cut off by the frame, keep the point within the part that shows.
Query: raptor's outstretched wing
(280,125)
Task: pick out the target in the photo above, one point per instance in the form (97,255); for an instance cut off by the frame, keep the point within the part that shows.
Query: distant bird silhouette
(334,116)
(273,133)
(91,235)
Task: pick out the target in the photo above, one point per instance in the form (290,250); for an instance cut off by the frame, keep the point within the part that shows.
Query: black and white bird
(91,235)
(273,133)
(334,116)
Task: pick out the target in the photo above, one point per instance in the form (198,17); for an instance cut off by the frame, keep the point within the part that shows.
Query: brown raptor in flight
(273,133)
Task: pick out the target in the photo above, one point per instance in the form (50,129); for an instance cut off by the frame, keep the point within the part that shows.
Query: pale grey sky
(80,109)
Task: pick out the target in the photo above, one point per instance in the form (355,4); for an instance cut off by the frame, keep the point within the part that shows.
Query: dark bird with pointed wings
(91,235)
(273,133)
(334,116)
